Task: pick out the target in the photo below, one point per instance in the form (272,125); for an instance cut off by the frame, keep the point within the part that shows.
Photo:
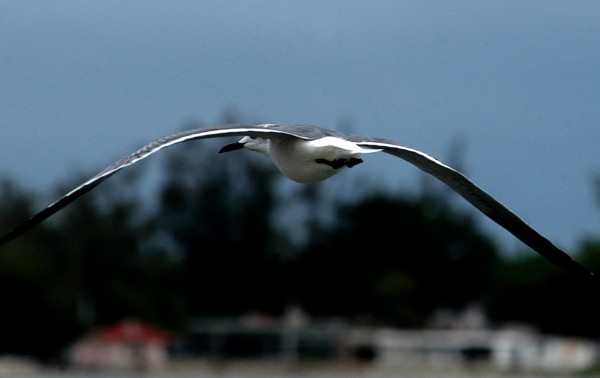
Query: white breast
(296,158)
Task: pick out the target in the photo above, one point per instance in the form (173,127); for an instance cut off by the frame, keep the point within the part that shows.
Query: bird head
(252,143)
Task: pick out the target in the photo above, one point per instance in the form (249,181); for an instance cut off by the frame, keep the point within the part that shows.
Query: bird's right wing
(142,153)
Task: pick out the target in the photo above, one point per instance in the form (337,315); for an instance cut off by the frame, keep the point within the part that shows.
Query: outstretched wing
(454,179)
(267,131)
(481,200)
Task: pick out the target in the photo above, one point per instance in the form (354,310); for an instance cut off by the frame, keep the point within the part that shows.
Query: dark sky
(515,84)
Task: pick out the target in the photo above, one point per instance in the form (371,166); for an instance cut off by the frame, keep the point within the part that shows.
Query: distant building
(456,341)
(127,345)
(510,349)
(253,337)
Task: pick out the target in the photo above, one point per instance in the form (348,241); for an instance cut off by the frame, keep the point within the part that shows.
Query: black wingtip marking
(48,212)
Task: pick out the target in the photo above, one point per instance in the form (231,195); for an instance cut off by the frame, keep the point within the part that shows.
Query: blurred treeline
(227,235)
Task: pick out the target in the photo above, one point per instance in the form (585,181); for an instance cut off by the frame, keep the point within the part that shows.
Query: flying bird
(310,154)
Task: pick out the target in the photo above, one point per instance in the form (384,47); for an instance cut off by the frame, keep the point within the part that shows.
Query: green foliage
(532,291)
(220,223)
(38,304)
(395,260)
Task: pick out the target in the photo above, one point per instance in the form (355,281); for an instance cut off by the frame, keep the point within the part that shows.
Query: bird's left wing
(481,200)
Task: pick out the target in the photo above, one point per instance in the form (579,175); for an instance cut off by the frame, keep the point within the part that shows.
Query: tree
(37,314)
(118,266)
(394,260)
(528,289)
(218,217)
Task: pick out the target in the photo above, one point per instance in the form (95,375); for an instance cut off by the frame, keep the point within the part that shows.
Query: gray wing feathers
(484,202)
(150,148)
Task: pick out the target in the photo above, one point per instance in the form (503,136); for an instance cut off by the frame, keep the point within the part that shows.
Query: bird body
(305,161)
(309,154)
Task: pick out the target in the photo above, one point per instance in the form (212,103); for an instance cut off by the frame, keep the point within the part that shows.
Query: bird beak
(232,147)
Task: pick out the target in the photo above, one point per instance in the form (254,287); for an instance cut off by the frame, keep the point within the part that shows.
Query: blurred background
(206,249)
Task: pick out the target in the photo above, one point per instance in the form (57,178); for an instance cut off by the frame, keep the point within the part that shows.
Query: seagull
(311,154)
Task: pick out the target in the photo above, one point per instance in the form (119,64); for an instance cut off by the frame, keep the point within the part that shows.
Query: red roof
(131,331)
